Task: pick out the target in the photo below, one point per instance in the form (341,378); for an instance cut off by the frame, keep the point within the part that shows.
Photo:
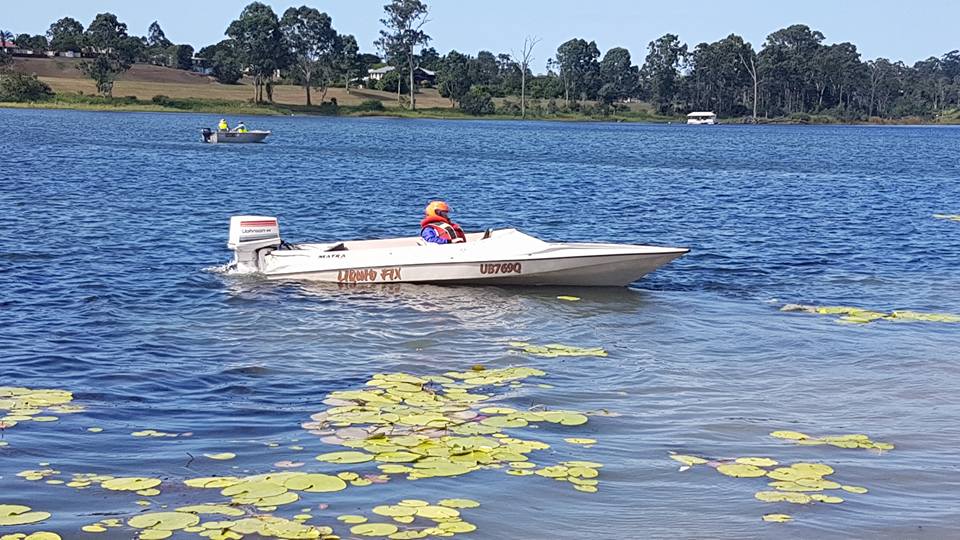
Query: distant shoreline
(266,109)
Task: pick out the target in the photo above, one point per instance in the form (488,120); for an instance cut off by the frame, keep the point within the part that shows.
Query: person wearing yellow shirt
(222,126)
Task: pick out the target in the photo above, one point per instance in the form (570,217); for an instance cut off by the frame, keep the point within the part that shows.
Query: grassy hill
(153,88)
(143,81)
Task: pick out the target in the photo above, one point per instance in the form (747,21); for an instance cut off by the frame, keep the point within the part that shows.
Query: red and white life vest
(449,231)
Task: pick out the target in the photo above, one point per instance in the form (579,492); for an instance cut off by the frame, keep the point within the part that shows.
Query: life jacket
(449,231)
(223,126)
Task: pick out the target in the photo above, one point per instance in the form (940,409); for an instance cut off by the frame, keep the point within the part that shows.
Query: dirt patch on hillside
(66,68)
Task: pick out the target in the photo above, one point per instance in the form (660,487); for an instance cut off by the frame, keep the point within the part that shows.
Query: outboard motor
(205,134)
(250,238)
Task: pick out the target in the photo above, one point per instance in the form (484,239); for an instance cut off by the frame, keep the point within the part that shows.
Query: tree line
(793,73)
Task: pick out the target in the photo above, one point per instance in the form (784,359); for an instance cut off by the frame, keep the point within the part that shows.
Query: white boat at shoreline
(494,257)
(236,137)
(705,118)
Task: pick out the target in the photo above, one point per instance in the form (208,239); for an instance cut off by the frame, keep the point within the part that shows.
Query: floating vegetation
(397,424)
(853,440)
(554,350)
(25,404)
(798,483)
(416,519)
(949,217)
(861,316)
(16,514)
(155,433)
(434,426)
(569,298)
(41,535)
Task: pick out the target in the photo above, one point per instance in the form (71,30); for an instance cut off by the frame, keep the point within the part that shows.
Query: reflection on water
(104,295)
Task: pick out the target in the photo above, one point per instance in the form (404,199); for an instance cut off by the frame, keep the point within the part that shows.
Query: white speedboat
(220,137)
(494,257)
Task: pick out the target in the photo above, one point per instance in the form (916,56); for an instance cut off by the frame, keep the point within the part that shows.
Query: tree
(349,63)
(618,76)
(313,46)
(15,86)
(259,44)
(477,102)
(156,39)
(115,50)
(403,33)
(184,57)
(66,35)
(453,77)
(579,68)
(429,58)
(225,62)
(34,43)
(788,62)
(662,70)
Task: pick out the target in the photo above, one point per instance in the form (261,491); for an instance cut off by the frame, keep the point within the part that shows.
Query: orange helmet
(437,208)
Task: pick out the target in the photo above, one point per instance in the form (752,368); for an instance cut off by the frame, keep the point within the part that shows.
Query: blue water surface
(115,225)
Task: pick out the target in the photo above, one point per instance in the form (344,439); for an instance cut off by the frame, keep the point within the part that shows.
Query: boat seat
(338,247)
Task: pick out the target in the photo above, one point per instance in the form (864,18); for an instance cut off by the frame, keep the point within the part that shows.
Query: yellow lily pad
(757,461)
(437,512)
(315,483)
(345,457)
(221,456)
(777,518)
(394,510)
(351,519)
(164,521)
(457,527)
(830,499)
(738,470)
(15,514)
(792,435)
(581,441)
(130,484)
(568,298)
(688,460)
(782,496)
(854,489)
(374,529)
(458,503)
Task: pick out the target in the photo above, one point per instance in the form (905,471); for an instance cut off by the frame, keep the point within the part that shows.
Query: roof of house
(8,44)
(702,113)
(384,69)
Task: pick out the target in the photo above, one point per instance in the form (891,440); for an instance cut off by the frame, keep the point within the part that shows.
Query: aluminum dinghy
(234,137)
(494,257)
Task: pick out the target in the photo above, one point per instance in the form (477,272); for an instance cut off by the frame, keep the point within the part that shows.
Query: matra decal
(501,268)
(368,275)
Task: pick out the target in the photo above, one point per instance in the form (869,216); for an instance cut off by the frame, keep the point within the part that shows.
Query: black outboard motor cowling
(206,134)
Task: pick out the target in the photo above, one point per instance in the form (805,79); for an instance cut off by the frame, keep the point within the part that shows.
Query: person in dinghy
(436,226)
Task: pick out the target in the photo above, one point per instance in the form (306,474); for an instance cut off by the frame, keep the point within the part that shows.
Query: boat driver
(436,226)
(222,126)
(241,128)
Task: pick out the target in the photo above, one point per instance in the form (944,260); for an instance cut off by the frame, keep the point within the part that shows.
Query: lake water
(115,225)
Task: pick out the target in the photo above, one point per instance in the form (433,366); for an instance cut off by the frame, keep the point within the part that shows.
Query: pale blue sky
(907,31)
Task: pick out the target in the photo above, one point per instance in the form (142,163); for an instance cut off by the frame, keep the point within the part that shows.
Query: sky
(898,30)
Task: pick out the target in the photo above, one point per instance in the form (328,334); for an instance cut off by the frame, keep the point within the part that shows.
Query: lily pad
(164,521)
(15,514)
(374,529)
(739,470)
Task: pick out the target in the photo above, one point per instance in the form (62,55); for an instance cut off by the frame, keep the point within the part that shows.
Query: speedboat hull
(500,257)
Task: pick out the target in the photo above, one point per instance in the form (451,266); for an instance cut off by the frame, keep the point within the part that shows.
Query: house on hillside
(420,75)
(4,44)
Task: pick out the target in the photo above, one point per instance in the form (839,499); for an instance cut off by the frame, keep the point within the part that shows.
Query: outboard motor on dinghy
(205,135)
(251,235)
